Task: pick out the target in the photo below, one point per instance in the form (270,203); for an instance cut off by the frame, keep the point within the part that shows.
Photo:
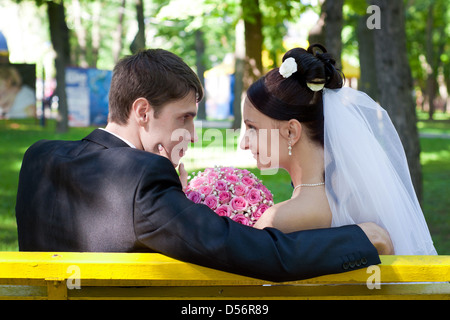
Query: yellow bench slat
(157,269)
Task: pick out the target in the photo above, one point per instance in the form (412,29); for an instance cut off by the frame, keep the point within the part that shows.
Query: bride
(345,159)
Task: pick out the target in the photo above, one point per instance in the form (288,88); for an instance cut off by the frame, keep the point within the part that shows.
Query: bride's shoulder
(309,210)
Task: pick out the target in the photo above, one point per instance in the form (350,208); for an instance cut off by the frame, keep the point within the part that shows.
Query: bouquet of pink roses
(230,192)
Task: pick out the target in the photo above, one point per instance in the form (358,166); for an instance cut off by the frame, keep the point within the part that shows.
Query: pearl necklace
(307,185)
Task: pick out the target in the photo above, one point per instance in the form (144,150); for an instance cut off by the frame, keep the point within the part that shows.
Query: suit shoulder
(44,145)
(51,146)
(143,158)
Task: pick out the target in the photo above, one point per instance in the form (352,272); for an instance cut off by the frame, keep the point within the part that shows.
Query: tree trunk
(395,82)
(59,34)
(118,34)
(431,82)
(239,63)
(80,33)
(200,52)
(98,6)
(317,32)
(333,29)
(368,79)
(139,40)
(253,41)
(327,30)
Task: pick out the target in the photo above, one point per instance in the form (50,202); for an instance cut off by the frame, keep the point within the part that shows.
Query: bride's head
(284,108)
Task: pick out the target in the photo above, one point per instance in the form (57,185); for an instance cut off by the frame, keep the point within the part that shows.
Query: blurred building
(4,53)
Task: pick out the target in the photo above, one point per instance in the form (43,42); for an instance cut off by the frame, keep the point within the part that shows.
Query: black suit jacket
(100,195)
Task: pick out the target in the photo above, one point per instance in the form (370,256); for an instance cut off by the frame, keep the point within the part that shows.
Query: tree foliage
(101,31)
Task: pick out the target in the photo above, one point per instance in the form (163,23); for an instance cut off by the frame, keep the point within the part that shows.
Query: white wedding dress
(366,171)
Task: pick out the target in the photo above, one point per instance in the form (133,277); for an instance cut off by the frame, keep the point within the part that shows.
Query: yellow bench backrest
(63,275)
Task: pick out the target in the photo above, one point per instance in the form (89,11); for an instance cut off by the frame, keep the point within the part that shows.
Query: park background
(396,51)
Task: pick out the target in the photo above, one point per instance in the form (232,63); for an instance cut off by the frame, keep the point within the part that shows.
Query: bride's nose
(244,145)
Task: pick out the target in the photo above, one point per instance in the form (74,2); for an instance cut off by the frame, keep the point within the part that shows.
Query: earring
(290,148)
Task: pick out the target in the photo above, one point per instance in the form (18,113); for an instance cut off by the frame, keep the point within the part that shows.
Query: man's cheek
(181,138)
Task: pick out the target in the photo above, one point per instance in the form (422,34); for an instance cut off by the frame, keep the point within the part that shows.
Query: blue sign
(87,96)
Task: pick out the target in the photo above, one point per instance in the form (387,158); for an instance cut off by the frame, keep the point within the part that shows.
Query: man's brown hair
(154,74)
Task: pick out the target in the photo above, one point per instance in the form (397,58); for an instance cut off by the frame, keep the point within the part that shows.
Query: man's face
(173,128)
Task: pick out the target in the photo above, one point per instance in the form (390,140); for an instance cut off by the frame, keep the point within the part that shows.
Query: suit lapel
(105,139)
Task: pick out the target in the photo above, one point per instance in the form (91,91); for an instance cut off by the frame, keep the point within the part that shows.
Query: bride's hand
(378,236)
(181,171)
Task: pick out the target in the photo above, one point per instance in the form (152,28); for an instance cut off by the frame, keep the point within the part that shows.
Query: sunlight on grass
(426,157)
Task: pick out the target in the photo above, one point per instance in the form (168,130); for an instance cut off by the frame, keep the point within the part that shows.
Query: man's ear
(291,131)
(142,111)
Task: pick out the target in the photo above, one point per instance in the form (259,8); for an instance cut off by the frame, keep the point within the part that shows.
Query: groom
(117,190)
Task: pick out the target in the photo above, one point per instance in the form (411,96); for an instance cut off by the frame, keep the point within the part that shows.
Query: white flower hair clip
(315,86)
(288,67)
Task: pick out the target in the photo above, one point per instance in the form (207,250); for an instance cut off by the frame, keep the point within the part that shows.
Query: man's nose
(194,136)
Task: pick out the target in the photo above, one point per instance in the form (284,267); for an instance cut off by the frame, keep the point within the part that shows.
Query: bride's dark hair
(290,98)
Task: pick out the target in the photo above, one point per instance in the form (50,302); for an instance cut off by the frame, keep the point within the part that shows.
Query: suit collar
(106,139)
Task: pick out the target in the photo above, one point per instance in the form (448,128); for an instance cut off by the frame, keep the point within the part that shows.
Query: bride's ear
(291,131)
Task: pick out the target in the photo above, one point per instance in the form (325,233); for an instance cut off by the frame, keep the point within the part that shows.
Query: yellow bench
(63,275)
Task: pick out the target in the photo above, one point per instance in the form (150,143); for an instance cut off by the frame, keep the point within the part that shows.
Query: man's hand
(181,171)
(183,175)
(379,237)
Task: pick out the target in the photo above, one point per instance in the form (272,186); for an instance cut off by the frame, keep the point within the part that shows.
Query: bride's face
(261,137)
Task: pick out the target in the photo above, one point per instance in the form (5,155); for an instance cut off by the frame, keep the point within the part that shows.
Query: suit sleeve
(167,222)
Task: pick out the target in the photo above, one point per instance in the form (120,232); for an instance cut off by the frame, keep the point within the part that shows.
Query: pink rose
(223,210)
(221,185)
(194,196)
(212,176)
(261,209)
(238,204)
(211,201)
(266,191)
(206,189)
(268,194)
(240,190)
(197,181)
(232,178)
(228,170)
(248,181)
(224,197)
(253,196)
(240,218)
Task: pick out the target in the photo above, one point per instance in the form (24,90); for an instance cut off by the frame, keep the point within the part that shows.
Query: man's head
(154,74)
(153,100)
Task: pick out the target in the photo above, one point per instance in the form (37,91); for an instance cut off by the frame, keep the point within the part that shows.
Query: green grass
(17,136)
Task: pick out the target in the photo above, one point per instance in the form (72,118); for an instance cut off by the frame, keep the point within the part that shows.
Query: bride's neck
(306,165)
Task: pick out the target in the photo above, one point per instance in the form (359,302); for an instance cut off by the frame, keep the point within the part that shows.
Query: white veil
(366,172)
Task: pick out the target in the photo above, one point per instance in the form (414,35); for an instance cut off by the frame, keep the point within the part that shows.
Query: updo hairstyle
(290,98)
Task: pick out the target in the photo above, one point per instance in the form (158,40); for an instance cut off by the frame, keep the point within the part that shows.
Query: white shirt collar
(123,139)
